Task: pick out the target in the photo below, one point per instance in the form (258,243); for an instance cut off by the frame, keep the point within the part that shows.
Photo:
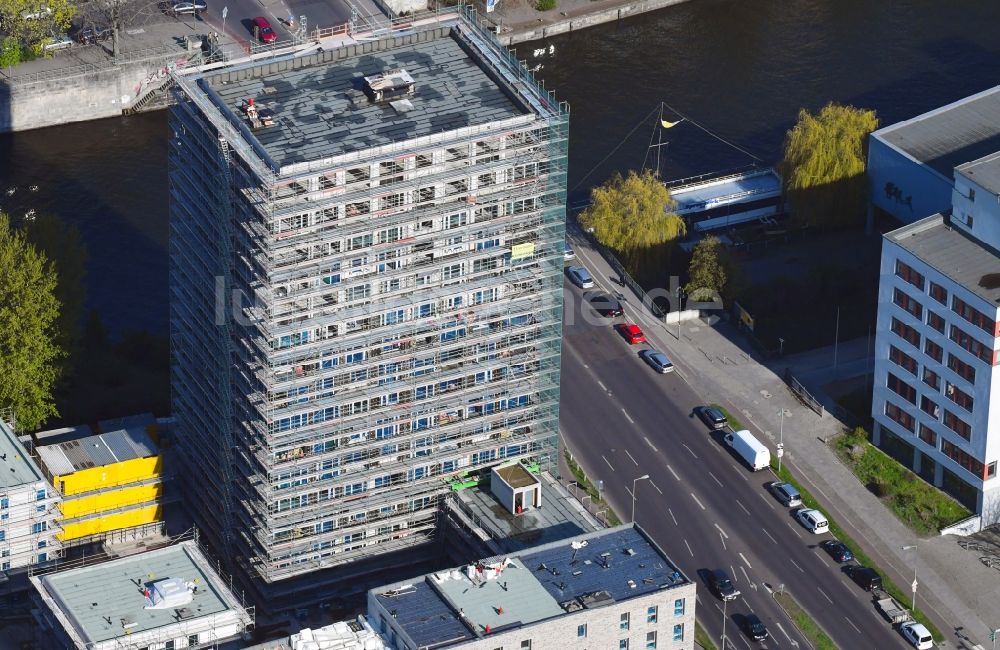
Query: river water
(740,68)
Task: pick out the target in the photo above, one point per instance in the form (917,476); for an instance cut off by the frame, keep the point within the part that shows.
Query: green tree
(708,271)
(10,52)
(824,165)
(29,311)
(633,216)
(32,21)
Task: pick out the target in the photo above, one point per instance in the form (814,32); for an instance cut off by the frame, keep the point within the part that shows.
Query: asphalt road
(707,510)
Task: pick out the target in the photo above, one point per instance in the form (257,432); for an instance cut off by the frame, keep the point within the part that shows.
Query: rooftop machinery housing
(366,290)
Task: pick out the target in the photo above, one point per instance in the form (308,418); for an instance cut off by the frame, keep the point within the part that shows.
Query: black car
(712,416)
(837,550)
(604,304)
(865,577)
(755,628)
(723,587)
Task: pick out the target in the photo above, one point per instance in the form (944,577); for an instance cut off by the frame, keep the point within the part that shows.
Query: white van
(749,448)
(813,520)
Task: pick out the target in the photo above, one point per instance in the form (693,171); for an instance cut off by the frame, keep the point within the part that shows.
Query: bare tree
(117,16)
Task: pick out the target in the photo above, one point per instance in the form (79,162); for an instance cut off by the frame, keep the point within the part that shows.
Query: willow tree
(707,273)
(824,165)
(29,311)
(634,217)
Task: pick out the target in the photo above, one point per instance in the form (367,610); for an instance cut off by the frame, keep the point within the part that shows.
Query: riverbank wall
(562,24)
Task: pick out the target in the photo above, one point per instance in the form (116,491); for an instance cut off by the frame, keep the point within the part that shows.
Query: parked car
(188,7)
(262,29)
(865,577)
(580,277)
(837,550)
(754,627)
(91,35)
(658,361)
(918,635)
(813,520)
(721,585)
(568,253)
(786,493)
(604,304)
(631,333)
(712,416)
(36,14)
(57,42)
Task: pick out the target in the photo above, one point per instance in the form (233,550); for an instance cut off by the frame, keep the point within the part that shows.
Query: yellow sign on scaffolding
(518,251)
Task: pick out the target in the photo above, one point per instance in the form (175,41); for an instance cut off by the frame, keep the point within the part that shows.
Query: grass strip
(702,638)
(810,630)
(859,555)
(582,481)
(734,424)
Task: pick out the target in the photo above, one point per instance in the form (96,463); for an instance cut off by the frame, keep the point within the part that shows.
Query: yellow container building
(108,482)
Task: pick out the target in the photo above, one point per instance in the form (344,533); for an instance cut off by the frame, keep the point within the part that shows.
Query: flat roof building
(610,588)
(168,597)
(389,219)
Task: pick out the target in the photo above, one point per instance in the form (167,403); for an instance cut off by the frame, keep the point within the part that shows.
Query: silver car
(59,42)
(657,360)
(568,253)
(580,277)
(786,493)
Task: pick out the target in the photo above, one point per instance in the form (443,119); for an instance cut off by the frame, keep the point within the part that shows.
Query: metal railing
(799,390)
(77,70)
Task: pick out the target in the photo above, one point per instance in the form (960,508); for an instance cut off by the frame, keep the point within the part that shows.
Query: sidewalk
(955,590)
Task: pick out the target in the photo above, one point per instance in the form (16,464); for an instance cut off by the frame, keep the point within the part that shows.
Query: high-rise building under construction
(366,289)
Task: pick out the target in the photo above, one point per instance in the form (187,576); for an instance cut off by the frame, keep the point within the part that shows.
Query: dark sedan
(837,550)
(755,628)
(712,416)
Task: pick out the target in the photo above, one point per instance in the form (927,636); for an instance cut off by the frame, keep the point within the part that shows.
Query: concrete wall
(587,20)
(86,96)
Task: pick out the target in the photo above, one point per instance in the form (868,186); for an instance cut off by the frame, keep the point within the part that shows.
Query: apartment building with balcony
(936,399)
(366,291)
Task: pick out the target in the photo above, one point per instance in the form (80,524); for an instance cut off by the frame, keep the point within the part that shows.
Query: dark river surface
(740,68)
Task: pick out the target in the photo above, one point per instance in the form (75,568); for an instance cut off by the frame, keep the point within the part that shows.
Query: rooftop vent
(389,85)
(597,599)
(402,106)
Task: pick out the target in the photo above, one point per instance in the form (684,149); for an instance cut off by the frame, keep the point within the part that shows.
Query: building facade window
(927,435)
(908,303)
(651,640)
(40,495)
(679,607)
(907,272)
(526,644)
(973,315)
(933,350)
(901,388)
(623,623)
(930,407)
(964,460)
(651,614)
(679,632)
(959,396)
(622,644)
(902,360)
(905,332)
(581,631)
(899,416)
(192,640)
(931,379)
(962,369)
(935,320)
(971,345)
(991,470)
(957,424)
(939,293)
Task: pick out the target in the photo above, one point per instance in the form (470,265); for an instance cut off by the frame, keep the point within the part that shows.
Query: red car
(262,29)
(631,333)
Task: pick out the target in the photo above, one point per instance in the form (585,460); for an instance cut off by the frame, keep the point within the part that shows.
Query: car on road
(722,586)
(658,361)
(262,29)
(604,304)
(580,277)
(918,635)
(812,520)
(187,7)
(865,577)
(631,333)
(754,627)
(712,416)
(568,253)
(785,493)
(837,550)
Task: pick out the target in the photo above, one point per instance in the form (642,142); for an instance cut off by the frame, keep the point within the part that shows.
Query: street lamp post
(724,604)
(781,438)
(634,482)
(913,587)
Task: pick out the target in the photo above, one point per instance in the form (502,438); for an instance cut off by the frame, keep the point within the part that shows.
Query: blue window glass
(40,495)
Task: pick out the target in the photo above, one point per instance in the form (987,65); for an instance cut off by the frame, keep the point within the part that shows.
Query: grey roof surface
(127,422)
(89,594)
(426,618)
(16,468)
(94,451)
(952,252)
(985,172)
(951,135)
(320,110)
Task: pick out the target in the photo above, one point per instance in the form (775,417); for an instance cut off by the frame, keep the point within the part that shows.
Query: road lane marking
(689,449)
(766,500)
(609,464)
(824,595)
(697,501)
(601,384)
(672,516)
(794,529)
(742,506)
(722,531)
(657,489)
(630,458)
(796,565)
(651,445)
(783,632)
(769,535)
(673,472)
(689,547)
(747,576)
(628,417)
(732,572)
(853,625)
(743,557)
(723,540)
(716,480)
